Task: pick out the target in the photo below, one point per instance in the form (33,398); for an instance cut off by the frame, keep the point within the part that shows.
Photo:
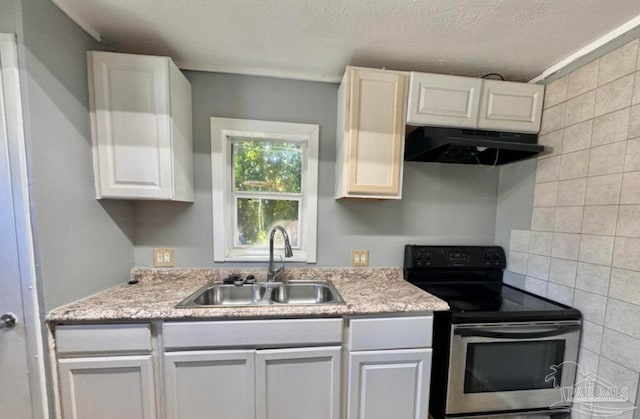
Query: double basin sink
(261,294)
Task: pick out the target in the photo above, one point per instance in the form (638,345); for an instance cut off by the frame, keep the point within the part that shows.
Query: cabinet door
(389,384)
(374,133)
(209,384)
(511,106)
(121,387)
(131,125)
(298,383)
(436,99)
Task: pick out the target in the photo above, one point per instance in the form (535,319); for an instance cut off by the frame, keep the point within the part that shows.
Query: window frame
(223,205)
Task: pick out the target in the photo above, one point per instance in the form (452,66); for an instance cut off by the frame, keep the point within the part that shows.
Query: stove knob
(487,256)
(496,257)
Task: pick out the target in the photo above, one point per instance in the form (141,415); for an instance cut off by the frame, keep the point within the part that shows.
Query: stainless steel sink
(270,293)
(225,295)
(305,293)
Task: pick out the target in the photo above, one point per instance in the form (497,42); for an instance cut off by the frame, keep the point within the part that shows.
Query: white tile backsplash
(610,128)
(619,376)
(628,224)
(630,193)
(593,278)
(623,348)
(607,159)
(551,141)
(563,271)
(542,219)
(568,220)
(591,305)
(565,246)
(538,266)
(577,137)
(517,262)
(634,122)
(625,285)
(536,286)
(583,79)
(545,194)
(635,98)
(556,92)
(552,119)
(519,240)
(571,192)
(548,170)
(540,243)
(596,249)
(580,108)
(574,165)
(600,219)
(584,245)
(623,317)
(626,253)
(560,293)
(613,96)
(632,155)
(603,190)
(592,335)
(617,63)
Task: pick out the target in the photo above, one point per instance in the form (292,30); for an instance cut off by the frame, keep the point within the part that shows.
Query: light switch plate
(360,258)
(162,256)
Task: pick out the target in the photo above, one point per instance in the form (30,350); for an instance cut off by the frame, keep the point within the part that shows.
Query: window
(264,174)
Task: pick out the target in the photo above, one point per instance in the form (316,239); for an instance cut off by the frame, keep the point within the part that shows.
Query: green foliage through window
(267,184)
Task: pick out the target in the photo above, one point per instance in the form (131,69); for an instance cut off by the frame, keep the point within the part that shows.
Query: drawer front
(252,333)
(390,333)
(103,338)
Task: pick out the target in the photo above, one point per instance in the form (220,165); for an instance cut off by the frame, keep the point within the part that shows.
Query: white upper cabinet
(511,106)
(436,99)
(370,134)
(141,127)
(464,102)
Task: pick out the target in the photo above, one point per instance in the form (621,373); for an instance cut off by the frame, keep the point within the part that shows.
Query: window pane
(256,218)
(267,166)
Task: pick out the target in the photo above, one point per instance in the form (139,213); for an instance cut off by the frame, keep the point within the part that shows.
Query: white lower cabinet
(298,383)
(389,384)
(288,383)
(389,367)
(209,384)
(109,387)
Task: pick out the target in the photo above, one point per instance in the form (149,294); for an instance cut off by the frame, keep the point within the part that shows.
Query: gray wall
(83,246)
(441,203)
(515,205)
(8,16)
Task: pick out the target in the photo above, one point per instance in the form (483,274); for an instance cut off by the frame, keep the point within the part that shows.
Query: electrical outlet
(360,258)
(163,256)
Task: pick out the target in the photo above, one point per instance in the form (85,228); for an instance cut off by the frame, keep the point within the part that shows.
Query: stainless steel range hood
(470,146)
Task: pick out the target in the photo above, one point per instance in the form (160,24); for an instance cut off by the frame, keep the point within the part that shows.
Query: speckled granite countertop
(154,297)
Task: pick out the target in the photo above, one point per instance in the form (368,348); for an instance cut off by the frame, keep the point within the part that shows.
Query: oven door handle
(488,333)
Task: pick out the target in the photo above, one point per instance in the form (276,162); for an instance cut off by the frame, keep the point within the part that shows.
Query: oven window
(511,366)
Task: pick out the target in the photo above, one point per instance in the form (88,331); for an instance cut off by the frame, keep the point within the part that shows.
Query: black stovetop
(473,287)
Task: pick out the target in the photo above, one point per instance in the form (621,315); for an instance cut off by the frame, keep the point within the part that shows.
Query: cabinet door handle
(8,321)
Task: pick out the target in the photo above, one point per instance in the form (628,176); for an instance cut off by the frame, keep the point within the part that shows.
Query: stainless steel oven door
(507,366)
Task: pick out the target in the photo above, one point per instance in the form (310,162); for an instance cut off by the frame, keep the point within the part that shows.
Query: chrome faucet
(273,271)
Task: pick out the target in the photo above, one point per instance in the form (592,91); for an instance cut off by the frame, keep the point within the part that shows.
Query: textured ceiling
(315,39)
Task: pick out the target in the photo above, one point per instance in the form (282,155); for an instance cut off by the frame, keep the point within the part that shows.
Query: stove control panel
(445,257)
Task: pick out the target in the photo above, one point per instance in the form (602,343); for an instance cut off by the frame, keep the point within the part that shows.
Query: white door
(209,384)
(441,100)
(21,375)
(298,383)
(511,106)
(116,387)
(389,384)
